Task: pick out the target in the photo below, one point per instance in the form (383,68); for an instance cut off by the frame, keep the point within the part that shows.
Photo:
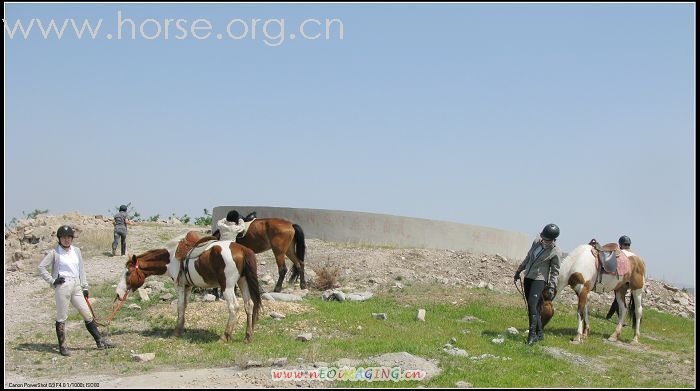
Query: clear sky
(510,116)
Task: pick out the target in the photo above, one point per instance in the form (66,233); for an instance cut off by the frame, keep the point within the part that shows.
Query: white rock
(143,357)
(420,316)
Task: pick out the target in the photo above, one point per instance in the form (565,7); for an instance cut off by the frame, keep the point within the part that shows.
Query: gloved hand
(550,292)
(60,280)
(516,277)
(85,293)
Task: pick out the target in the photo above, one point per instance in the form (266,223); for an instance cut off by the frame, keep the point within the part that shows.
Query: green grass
(666,357)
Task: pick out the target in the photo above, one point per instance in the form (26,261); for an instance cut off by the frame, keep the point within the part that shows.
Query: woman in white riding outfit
(67,277)
(231,226)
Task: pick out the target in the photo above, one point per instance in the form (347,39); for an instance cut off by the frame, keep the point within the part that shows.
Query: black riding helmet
(624,241)
(550,232)
(122,208)
(232,216)
(65,230)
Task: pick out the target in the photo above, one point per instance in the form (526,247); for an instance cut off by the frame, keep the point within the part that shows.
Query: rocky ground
(361,269)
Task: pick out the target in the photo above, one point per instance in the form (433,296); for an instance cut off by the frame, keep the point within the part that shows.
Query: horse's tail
(250,272)
(299,251)
(300,243)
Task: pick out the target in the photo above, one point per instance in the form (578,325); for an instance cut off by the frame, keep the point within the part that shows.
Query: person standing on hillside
(70,285)
(121,220)
(542,267)
(625,242)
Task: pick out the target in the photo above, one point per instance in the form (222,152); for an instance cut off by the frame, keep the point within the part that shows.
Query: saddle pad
(245,229)
(183,248)
(622,267)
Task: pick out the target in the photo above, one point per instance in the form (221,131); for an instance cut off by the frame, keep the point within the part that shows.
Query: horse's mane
(147,256)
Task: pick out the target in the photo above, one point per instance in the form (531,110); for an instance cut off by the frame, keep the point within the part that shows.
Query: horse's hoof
(247,340)
(278,289)
(612,339)
(635,341)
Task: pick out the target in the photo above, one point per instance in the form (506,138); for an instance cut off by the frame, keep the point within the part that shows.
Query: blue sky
(510,116)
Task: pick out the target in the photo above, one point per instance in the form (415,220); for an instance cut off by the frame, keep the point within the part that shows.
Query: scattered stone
(470,318)
(209,297)
(134,306)
(304,337)
(277,315)
(381,316)
(279,362)
(359,296)
(143,294)
(339,295)
(267,296)
(285,297)
(143,357)
(252,364)
(420,316)
(498,340)
(463,384)
(512,330)
(453,351)
(167,297)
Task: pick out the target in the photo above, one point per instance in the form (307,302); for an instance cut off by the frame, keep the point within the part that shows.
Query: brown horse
(578,270)
(284,238)
(223,264)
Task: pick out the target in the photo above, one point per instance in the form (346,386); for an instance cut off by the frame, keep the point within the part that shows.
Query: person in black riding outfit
(625,242)
(541,265)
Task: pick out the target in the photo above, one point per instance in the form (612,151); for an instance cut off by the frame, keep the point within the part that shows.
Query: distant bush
(326,277)
(204,220)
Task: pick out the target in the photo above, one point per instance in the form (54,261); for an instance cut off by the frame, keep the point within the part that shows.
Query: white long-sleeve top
(230,229)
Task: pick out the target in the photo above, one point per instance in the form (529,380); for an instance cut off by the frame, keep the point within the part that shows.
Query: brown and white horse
(283,238)
(223,264)
(578,270)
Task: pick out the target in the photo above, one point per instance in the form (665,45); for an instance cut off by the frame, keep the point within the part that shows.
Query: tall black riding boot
(532,335)
(61,333)
(102,343)
(540,330)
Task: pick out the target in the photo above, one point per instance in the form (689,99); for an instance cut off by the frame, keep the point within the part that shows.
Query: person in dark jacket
(121,220)
(541,265)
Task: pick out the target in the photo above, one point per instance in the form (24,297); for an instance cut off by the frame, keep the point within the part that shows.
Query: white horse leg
(620,298)
(587,322)
(582,293)
(637,295)
(230,296)
(183,292)
(248,306)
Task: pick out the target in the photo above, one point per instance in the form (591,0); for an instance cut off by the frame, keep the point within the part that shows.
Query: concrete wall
(379,229)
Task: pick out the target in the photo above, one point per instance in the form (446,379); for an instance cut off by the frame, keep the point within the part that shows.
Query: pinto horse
(223,264)
(578,270)
(284,238)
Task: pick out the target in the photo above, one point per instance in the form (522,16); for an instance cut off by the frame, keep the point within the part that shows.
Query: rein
(114,311)
(519,290)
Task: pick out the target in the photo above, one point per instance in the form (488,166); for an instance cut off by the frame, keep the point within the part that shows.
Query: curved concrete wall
(379,229)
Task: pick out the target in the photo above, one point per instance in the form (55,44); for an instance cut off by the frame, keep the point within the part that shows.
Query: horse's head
(131,279)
